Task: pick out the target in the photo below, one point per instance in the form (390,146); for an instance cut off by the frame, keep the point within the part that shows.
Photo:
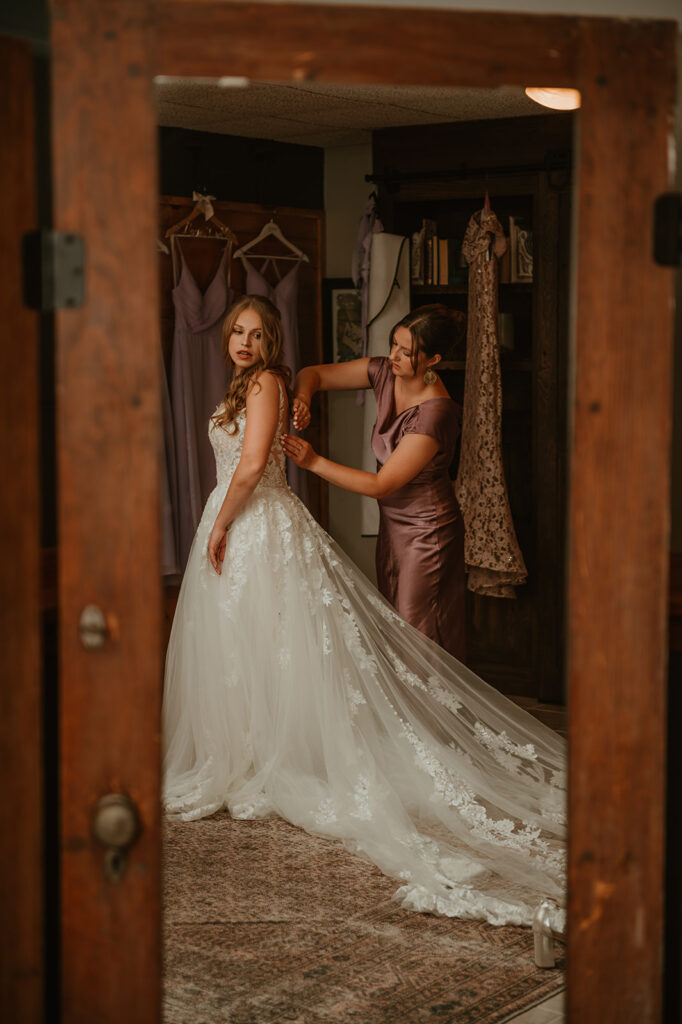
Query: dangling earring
(430,377)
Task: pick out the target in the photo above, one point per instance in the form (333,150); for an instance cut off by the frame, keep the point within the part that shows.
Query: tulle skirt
(293,688)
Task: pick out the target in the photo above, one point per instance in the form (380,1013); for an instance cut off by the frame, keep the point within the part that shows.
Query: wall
(345,195)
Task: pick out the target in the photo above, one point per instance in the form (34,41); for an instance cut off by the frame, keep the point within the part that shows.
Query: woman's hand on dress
(217,543)
(298,450)
(301,413)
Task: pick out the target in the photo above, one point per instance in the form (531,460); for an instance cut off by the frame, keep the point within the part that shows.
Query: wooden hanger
(271,228)
(199,209)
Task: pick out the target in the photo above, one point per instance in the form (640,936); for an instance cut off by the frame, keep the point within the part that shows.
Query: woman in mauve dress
(420,546)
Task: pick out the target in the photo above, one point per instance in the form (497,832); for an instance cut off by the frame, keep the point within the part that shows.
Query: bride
(292,688)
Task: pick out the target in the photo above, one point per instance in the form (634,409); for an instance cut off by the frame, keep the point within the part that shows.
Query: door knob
(92,628)
(116,825)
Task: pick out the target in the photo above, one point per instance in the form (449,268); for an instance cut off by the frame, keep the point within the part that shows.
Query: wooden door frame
(22,901)
(107,54)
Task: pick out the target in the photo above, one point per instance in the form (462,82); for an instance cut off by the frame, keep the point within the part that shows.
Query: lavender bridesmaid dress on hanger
(198,385)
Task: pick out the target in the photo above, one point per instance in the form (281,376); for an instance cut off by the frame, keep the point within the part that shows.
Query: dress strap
(176,249)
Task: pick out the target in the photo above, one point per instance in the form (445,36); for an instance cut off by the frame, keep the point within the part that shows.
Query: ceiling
(315,114)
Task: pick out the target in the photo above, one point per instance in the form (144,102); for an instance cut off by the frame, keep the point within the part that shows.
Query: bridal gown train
(292,688)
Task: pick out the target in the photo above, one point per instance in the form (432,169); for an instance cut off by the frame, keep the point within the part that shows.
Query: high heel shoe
(543,939)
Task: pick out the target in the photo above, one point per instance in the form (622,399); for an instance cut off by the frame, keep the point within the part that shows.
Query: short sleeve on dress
(378,371)
(438,419)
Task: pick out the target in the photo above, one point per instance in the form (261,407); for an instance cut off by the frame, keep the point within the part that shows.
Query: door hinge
(668,229)
(53,270)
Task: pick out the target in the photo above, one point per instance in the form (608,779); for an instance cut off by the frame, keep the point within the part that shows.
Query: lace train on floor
(293,688)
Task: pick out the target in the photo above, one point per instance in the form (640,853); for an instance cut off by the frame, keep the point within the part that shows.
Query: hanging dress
(492,554)
(361,264)
(198,384)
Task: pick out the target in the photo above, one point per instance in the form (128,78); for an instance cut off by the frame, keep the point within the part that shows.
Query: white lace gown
(293,688)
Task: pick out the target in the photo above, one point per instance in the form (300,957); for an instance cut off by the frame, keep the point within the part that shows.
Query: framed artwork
(521,246)
(342,320)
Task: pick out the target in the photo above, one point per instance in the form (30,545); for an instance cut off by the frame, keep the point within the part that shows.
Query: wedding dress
(292,688)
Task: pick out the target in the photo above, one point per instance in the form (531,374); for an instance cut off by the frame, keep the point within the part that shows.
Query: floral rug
(265,924)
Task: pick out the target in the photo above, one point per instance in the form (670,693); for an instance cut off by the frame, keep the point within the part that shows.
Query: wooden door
(104,57)
(21,790)
(108,448)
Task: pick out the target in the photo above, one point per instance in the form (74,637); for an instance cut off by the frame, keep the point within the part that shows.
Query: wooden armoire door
(108,437)
(21,786)
(108,450)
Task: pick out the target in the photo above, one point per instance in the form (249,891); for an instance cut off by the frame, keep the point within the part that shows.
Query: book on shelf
(417,257)
(435,260)
(443,257)
(430,251)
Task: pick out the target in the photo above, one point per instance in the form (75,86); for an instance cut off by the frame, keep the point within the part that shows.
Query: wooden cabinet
(441,172)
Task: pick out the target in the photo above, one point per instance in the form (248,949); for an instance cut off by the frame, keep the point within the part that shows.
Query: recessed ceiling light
(557,99)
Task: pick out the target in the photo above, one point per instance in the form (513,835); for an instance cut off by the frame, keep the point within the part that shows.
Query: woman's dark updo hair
(436,330)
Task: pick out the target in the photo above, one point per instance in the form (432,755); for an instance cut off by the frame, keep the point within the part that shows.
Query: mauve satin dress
(420,546)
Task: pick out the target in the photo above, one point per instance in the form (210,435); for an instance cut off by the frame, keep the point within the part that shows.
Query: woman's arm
(350,376)
(262,418)
(412,454)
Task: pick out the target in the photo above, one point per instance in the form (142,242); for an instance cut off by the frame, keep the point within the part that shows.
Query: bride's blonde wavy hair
(270,357)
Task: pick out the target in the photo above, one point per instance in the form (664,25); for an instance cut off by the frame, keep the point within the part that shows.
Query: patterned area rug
(266,924)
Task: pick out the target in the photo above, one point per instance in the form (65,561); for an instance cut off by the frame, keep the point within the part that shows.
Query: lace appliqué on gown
(293,688)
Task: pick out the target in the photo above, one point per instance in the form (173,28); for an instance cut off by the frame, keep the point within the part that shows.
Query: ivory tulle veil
(293,688)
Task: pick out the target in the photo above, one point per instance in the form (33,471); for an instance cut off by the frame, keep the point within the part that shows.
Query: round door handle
(115,821)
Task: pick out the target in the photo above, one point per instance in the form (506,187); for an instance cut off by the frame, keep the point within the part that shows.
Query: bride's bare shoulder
(265,385)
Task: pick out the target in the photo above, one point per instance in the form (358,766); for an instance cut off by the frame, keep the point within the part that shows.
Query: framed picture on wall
(521,250)
(342,320)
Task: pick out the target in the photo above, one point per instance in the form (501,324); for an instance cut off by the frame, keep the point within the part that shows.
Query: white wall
(345,195)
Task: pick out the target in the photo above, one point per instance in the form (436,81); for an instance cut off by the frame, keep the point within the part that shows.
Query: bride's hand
(301,413)
(298,450)
(216,547)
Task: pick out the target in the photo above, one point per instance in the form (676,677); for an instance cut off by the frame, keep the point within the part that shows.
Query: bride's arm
(350,376)
(262,418)
(412,454)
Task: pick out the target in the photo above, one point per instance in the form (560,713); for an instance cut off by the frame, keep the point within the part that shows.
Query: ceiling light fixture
(557,99)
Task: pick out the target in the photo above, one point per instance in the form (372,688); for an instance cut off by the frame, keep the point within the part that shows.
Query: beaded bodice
(227,448)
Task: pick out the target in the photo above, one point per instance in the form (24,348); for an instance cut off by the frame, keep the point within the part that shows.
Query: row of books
(439,261)
(436,260)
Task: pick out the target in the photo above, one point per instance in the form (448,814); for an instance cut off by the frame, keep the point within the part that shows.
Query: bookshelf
(518,645)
